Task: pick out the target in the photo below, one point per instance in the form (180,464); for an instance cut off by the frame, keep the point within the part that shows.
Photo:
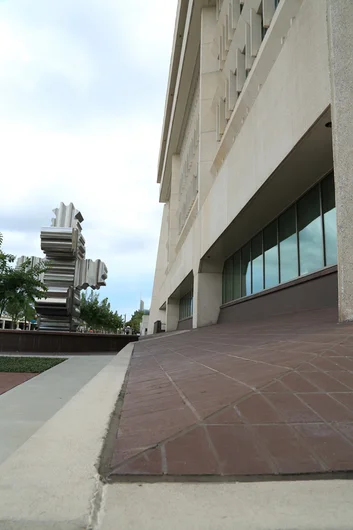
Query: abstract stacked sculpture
(68,273)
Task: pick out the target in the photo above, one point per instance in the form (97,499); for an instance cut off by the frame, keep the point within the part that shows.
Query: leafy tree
(19,285)
(29,312)
(19,307)
(14,309)
(98,315)
(135,321)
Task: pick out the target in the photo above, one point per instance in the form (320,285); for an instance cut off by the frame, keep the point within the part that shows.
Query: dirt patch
(9,380)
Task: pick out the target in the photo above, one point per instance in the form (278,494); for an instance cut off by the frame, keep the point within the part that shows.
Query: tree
(19,307)
(135,321)
(29,312)
(19,285)
(14,308)
(98,315)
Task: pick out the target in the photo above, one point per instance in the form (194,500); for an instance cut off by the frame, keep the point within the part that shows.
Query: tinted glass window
(311,250)
(236,277)
(228,281)
(329,213)
(302,240)
(185,306)
(271,255)
(288,246)
(246,270)
(257,264)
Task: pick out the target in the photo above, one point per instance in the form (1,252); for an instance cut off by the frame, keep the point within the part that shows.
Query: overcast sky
(82,91)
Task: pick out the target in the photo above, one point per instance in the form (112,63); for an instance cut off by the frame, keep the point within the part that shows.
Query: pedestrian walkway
(51,481)
(25,408)
(261,399)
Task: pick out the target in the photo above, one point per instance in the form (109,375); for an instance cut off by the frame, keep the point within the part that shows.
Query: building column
(2,324)
(207,294)
(209,78)
(340,31)
(172,314)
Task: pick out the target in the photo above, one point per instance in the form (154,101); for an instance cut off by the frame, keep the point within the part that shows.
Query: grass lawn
(27,364)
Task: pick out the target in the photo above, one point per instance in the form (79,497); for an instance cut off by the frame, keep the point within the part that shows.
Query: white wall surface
(295,94)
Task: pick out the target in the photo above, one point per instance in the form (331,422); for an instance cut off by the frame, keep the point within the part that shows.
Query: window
(288,245)
(246,270)
(236,276)
(228,281)
(271,255)
(186,306)
(311,251)
(302,240)
(329,215)
(257,264)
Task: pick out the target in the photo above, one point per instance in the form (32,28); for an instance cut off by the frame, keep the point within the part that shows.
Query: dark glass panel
(236,276)
(311,250)
(329,213)
(228,280)
(271,255)
(288,245)
(246,270)
(257,264)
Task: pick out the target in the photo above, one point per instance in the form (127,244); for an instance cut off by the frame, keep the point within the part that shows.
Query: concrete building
(6,323)
(256,162)
(144,323)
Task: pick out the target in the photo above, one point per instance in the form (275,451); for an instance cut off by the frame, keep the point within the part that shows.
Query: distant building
(255,162)
(144,323)
(6,323)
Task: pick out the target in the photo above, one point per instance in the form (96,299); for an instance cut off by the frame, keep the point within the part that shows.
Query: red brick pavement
(266,398)
(9,380)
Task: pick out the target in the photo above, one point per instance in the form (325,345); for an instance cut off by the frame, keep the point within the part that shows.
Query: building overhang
(308,162)
(185,52)
(184,287)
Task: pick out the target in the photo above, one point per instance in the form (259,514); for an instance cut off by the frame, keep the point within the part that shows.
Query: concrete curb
(51,482)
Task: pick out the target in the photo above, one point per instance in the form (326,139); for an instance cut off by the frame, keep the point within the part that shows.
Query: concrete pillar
(207,294)
(2,324)
(172,314)
(209,78)
(340,32)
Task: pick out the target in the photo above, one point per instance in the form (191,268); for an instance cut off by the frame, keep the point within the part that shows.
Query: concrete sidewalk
(51,481)
(25,408)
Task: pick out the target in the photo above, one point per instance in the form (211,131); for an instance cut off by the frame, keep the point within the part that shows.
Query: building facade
(256,163)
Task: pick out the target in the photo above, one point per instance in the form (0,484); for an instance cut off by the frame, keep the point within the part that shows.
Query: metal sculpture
(68,273)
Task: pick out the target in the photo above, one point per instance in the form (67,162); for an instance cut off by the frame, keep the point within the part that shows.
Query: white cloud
(106,166)
(108,174)
(148,27)
(26,55)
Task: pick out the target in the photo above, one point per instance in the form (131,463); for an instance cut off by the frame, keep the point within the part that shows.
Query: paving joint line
(220,479)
